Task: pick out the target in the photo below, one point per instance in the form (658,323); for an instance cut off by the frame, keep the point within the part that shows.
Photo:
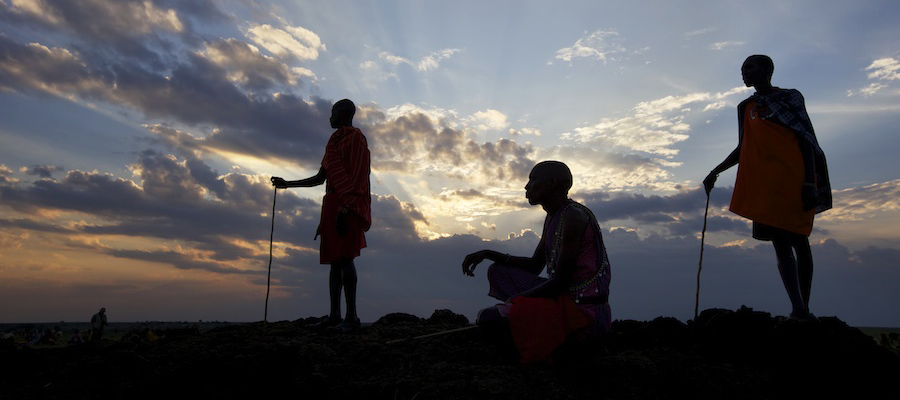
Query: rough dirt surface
(723,354)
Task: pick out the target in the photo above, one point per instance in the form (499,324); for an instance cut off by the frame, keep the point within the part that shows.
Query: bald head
(342,113)
(555,171)
(757,72)
(764,61)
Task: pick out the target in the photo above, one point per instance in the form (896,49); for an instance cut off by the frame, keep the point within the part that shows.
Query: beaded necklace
(557,238)
(554,250)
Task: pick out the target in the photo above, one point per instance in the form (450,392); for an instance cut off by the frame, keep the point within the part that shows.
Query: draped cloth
(771,170)
(347,168)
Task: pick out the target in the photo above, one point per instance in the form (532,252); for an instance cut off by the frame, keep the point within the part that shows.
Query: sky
(138,139)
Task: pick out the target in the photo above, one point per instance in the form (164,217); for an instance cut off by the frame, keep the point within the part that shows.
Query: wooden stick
(700,268)
(465,328)
(269,277)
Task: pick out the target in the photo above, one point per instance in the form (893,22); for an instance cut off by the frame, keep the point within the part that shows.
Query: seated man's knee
(497,269)
(487,316)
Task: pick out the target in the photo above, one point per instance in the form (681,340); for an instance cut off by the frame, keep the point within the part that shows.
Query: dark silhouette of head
(757,71)
(548,179)
(342,113)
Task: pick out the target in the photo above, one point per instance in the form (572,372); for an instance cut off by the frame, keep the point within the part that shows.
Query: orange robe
(347,167)
(770,175)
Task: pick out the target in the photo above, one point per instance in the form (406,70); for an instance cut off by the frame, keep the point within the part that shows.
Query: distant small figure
(98,324)
(542,313)
(782,180)
(346,210)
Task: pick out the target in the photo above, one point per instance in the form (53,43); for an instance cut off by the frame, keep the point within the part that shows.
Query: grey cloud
(651,276)
(43,171)
(165,179)
(186,87)
(6,175)
(393,221)
(252,70)
(33,225)
(619,205)
(178,260)
(397,144)
(170,205)
(120,23)
(34,67)
(680,214)
(467,193)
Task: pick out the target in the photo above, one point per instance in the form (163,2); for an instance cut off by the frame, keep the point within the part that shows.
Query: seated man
(544,312)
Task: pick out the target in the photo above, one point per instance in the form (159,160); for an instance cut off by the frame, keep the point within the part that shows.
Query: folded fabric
(540,325)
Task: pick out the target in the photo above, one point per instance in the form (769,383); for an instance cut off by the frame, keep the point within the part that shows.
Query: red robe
(347,167)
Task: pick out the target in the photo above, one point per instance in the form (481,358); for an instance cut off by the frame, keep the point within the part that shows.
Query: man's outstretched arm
(729,162)
(533,264)
(314,180)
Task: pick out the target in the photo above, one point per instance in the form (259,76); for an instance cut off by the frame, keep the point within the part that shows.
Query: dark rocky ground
(723,354)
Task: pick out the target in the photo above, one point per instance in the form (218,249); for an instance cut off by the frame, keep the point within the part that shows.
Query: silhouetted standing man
(782,180)
(98,324)
(573,301)
(346,210)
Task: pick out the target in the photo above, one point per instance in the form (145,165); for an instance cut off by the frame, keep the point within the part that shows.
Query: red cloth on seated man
(540,325)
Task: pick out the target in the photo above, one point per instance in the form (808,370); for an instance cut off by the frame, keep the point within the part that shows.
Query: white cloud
(296,42)
(887,69)
(306,72)
(525,131)
(392,59)
(600,45)
(436,115)
(651,129)
(867,202)
(427,63)
(699,32)
(882,69)
(432,61)
(723,45)
(489,120)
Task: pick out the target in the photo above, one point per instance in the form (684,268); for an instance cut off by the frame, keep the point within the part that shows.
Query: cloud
(525,131)
(197,91)
(100,19)
(887,69)
(413,141)
(724,45)
(855,204)
(884,71)
(427,63)
(292,42)
(651,129)
(489,119)
(43,171)
(699,32)
(677,215)
(601,45)
(6,175)
(249,68)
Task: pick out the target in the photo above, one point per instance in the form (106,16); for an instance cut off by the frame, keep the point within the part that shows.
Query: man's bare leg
(787,267)
(348,272)
(804,266)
